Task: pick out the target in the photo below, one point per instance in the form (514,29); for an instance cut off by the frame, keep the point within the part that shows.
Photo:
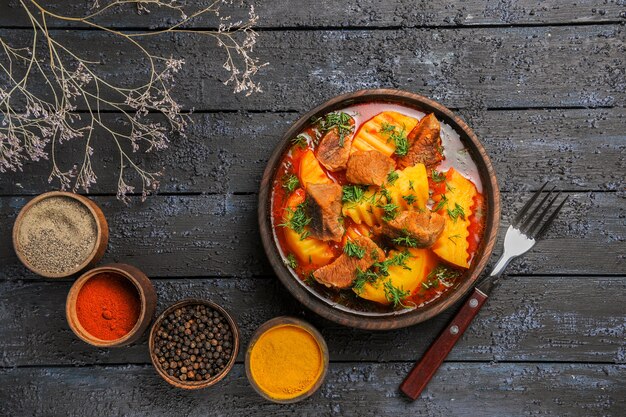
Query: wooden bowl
(282,321)
(102,234)
(147,296)
(195,384)
(381,321)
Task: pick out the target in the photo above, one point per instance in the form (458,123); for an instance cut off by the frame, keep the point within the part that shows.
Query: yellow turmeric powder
(286,361)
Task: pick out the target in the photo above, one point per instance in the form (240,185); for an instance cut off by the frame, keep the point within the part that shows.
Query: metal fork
(523,233)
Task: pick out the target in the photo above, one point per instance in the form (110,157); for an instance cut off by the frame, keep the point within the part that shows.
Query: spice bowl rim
(100,244)
(286,321)
(193,385)
(147,299)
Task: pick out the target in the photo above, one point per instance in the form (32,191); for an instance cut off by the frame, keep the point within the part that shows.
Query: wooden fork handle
(423,371)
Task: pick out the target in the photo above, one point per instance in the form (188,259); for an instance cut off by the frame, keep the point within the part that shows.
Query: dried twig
(34,123)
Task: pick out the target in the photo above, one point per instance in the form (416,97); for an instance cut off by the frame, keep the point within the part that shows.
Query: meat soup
(378,207)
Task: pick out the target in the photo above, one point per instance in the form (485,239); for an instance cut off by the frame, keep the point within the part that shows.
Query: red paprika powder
(108,306)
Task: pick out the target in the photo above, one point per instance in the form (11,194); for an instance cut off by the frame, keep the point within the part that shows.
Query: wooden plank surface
(519,67)
(536,319)
(351,389)
(214,235)
(405,13)
(541,83)
(579,149)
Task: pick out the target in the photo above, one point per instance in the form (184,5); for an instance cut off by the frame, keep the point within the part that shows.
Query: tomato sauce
(455,156)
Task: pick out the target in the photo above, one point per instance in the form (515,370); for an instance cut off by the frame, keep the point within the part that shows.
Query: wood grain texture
(216,235)
(528,318)
(351,389)
(582,149)
(516,67)
(406,13)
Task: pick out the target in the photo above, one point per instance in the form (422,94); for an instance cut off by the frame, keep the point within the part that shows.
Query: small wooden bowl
(293,321)
(370,320)
(102,234)
(147,296)
(191,385)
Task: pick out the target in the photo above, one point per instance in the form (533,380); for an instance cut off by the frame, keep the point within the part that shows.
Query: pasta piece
(366,210)
(309,251)
(311,171)
(409,191)
(406,278)
(452,245)
(373,136)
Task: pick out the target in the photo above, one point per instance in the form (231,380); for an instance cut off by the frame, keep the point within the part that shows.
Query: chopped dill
(438,176)
(353,250)
(362,278)
(398,137)
(291,182)
(395,295)
(391,211)
(457,212)
(341,121)
(300,140)
(297,220)
(392,177)
(291,261)
(352,194)
(406,240)
(441,275)
(410,199)
(441,203)
(411,185)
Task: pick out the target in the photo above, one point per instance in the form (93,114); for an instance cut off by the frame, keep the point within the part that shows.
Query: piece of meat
(340,273)
(324,208)
(369,168)
(424,144)
(423,228)
(332,152)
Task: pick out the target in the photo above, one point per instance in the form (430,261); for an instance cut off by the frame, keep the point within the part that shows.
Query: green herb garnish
(441,203)
(451,238)
(406,240)
(440,275)
(352,194)
(362,278)
(353,250)
(386,128)
(297,220)
(395,295)
(300,140)
(411,184)
(398,137)
(392,177)
(391,211)
(291,261)
(410,199)
(398,259)
(457,212)
(291,182)
(438,176)
(341,121)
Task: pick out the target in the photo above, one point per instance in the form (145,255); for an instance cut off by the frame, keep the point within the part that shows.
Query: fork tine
(520,215)
(533,228)
(551,219)
(526,223)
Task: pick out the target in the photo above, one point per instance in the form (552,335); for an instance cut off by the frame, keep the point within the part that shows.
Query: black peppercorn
(193,343)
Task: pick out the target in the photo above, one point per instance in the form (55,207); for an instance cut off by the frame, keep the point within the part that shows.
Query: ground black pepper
(57,234)
(193,343)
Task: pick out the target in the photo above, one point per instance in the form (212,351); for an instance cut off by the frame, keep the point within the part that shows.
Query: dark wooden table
(543,83)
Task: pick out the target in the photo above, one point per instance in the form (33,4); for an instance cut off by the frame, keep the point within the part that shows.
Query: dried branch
(35,122)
